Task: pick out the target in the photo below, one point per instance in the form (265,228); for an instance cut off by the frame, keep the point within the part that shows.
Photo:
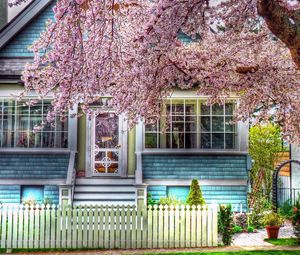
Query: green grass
(235,253)
(283,241)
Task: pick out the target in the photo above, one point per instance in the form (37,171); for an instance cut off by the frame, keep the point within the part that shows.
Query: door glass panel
(106,144)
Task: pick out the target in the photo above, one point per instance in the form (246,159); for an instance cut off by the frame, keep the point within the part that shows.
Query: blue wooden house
(81,162)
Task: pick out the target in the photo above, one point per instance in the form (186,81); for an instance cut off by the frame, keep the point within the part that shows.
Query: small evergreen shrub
(226,227)
(195,196)
(260,206)
(150,200)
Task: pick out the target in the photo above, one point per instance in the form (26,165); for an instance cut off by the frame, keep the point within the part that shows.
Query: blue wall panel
(34,166)
(203,167)
(52,193)
(10,194)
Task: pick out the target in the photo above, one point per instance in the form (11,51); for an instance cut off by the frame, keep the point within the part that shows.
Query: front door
(106,145)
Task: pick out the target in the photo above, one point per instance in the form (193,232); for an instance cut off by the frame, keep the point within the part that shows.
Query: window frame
(198,132)
(28,130)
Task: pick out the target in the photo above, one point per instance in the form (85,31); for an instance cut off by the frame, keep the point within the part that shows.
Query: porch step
(106,191)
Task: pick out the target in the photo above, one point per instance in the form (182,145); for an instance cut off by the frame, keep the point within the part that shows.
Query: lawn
(283,241)
(235,253)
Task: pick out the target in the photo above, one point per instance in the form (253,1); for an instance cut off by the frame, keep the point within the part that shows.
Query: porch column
(138,153)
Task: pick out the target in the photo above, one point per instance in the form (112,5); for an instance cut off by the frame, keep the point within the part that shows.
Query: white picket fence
(109,227)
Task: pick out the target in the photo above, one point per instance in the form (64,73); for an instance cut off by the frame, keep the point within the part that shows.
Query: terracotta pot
(272,231)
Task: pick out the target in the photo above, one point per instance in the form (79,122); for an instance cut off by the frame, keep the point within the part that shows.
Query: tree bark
(284,23)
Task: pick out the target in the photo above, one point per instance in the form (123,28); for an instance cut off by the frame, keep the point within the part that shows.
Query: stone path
(257,239)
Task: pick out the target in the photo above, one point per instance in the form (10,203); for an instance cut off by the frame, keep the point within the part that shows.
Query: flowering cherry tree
(130,50)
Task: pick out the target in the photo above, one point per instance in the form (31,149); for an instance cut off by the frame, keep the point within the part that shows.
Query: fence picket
(160,227)
(15,227)
(58,227)
(134,222)
(150,226)
(182,227)
(101,227)
(166,227)
(90,227)
(63,227)
(80,227)
(199,222)
(193,226)
(139,228)
(118,228)
(10,227)
(112,228)
(123,234)
(155,227)
(177,226)
(42,227)
(26,226)
(209,226)
(204,227)
(171,227)
(96,227)
(21,226)
(128,227)
(106,229)
(31,226)
(69,226)
(85,227)
(53,226)
(47,226)
(37,227)
(215,226)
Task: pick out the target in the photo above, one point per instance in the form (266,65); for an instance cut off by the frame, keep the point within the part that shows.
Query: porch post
(139,149)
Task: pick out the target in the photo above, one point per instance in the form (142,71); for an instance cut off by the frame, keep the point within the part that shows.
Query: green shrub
(237,229)
(150,200)
(195,196)
(170,200)
(225,223)
(296,220)
(260,206)
(250,229)
(272,219)
(286,210)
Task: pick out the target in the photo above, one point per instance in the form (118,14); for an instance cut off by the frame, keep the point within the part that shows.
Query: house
(83,161)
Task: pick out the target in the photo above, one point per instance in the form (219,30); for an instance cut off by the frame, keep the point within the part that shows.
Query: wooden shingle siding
(34,166)
(52,192)
(10,194)
(203,167)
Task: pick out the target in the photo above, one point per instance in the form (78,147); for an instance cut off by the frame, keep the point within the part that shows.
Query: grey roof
(12,67)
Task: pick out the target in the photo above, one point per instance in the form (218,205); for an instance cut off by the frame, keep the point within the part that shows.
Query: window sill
(194,151)
(36,150)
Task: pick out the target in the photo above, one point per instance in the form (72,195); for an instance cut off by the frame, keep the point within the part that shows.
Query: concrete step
(103,189)
(105,181)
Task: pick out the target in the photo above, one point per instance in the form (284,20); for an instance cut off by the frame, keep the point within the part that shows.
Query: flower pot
(272,231)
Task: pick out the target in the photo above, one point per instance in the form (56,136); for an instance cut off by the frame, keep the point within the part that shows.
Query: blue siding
(18,46)
(195,166)
(52,192)
(234,195)
(10,194)
(34,166)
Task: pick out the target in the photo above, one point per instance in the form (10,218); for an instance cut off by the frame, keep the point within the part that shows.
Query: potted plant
(272,221)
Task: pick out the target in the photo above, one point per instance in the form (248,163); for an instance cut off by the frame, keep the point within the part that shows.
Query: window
(32,194)
(190,123)
(17,122)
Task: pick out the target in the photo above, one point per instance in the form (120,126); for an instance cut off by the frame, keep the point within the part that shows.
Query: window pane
(36,109)
(229,107)
(190,107)
(190,123)
(177,126)
(177,140)
(21,139)
(22,122)
(190,140)
(35,121)
(205,141)
(22,108)
(205,109)
(61,125)
(177,108)
(9,106)
(217,124)
(205,124)
(151,140)
(48,139)
(229,141)
(8,139)
(61,140)
(35,139)
(228,126)
(218,141)
(217,109)
(8,122)
(151,127)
